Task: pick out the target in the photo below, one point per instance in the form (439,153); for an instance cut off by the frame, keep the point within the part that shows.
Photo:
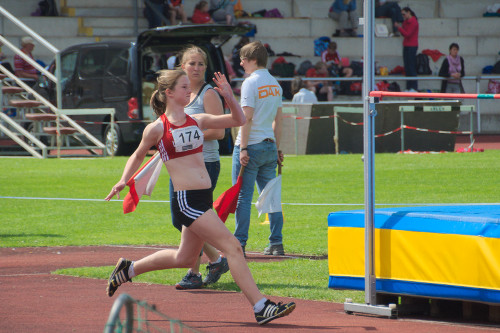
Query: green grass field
(47,217)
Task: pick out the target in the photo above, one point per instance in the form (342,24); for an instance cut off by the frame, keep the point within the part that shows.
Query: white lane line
(284,203)
(25,274)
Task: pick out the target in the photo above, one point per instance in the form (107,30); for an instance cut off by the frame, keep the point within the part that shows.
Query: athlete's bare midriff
(188,173)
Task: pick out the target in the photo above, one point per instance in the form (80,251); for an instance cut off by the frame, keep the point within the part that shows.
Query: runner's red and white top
(179,141)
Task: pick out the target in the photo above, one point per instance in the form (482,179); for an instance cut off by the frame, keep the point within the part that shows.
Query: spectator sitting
(384,8)
(344,12)
(323,89)
(334,62)
(23,69)
(176,10)
(223,11)
(201,14)
(302,94)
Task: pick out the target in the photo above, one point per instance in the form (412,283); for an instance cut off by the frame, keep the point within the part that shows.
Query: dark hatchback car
(122,75)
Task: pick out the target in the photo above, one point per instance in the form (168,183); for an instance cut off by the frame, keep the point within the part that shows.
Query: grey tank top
(210,148)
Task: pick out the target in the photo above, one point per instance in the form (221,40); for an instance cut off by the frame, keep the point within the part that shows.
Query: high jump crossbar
(381,94)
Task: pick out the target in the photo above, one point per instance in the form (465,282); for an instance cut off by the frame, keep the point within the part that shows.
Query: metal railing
(57,78)
(58,111)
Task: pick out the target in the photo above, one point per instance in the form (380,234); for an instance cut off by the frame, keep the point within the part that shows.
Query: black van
(122,75)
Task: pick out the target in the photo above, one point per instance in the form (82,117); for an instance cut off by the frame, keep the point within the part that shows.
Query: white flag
(142,182)
(269,200)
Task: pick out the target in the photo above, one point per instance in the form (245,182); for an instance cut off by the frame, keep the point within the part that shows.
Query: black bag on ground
(283,69)
(259,13)
(496,68)
(357,68)
(423,67)
(304,66)
(334,71)
(350,88)
(394,86)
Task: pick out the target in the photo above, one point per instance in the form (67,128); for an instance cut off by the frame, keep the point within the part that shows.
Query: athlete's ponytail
(167,79)
(158,102)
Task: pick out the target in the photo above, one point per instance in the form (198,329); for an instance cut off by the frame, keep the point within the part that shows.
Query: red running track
(34,300)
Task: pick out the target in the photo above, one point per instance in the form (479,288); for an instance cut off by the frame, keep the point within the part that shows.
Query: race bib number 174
(187,138)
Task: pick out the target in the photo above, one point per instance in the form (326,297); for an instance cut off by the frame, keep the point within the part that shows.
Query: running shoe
(272,311)
(274,250)
(119,276)
(190,281)
(214,271)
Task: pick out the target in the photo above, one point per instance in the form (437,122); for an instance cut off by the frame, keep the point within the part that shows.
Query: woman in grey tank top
(204,99)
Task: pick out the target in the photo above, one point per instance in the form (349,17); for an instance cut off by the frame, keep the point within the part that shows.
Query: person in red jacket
(201,14)
(409,30)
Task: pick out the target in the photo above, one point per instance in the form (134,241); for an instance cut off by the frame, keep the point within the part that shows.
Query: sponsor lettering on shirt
(267,91)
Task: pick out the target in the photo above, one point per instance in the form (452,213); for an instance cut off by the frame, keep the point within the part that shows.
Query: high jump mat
(450,252)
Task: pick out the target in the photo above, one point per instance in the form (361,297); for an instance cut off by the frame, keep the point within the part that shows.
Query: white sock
(259,305)
(218,260)
(190,271)
(131,272)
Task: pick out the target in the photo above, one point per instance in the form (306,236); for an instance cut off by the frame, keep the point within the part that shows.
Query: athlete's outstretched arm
(150,137)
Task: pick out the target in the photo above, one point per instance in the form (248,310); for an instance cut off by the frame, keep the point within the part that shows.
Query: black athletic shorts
(188,205)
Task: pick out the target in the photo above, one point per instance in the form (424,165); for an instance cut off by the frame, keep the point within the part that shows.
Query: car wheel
(114,142)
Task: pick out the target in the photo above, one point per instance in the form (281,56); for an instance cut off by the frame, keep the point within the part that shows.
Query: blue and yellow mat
(436,251)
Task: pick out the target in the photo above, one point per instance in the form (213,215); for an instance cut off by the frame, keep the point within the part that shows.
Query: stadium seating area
(441,23)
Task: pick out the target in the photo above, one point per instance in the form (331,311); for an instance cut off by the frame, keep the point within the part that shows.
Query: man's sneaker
(119,276)
(244,253)
(214,271)
(272,311)
(190,281)
(274,250)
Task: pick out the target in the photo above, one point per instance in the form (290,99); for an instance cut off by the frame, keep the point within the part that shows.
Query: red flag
(142,182)
(227,201)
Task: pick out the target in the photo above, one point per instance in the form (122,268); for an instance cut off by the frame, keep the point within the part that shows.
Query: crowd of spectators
(404,24)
